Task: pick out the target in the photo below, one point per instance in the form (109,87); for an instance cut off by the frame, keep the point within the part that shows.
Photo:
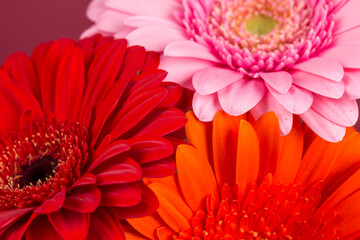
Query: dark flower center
(39,160)
(39,171)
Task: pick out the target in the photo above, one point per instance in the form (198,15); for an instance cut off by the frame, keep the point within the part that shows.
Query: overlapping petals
(308,64)
(241,180)
(82,123)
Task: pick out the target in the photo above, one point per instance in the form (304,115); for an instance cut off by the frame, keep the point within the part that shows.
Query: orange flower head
(242,180)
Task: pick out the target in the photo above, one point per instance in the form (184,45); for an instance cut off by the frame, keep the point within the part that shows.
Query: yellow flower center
(260,24)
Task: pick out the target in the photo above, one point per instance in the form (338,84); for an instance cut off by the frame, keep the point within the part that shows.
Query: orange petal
(268,132)
(172,181)
(196,178)
(330,161)
(317,161)
(173,210)
(347,220)
(348,188)
(291,150)
(199,134)
(248,156)
(131,234)
(147,225)
(225,133)
(164,233)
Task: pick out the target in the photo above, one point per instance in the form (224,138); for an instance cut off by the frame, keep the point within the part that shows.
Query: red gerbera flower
(81,124)
(244,181)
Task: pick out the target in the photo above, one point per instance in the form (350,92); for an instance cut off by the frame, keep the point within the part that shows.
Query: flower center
(260,24)
(253,36)
(39,171)
(270,211)
(40,159)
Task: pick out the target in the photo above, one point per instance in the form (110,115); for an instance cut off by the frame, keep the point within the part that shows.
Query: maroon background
(26,23)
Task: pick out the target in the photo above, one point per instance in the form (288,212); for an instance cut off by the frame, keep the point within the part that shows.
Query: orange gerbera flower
(245,181)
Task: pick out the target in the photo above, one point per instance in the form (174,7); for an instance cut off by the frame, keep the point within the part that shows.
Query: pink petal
(352,83)
(181,69)
(143,21)
(241,96)
(347,38)
(95,9)
(69,224)
(280,81)
(323,127)
(296,100)
(347,56)
(112,21)
(158,8)
(189,49)
(84,200)
(347,16)
(53,204)
(340,111)
(89,32)
(319,85)
(211,80)
(154,38)
(268,104)
(325,67)
(205,106)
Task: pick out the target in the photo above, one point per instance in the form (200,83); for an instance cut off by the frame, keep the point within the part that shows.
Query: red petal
(108,152)
(104,71)
(152,61)
(10,216)
(121,170)
(147,80)
(175,92)
(49,69)
(161,122)
(70,84)
(17,231)
(84,200)
(135,109)
(103,225)
(85,180)
(148,205)
(15,100)
(41,229)
(134,60)
(105,108)
(70,225)
(51,205)
(120,195)
(147,149)
(161,168)
(21,69)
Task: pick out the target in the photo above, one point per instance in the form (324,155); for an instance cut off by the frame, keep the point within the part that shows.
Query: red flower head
(81,124)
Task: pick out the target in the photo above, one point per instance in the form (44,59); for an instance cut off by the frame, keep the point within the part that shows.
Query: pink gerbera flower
(286,56)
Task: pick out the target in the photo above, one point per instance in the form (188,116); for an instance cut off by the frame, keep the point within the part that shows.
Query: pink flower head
(287,56)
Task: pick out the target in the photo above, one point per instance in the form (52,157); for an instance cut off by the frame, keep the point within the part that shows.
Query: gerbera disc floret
(40,160)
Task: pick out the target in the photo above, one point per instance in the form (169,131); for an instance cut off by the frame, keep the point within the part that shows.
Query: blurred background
(24,24)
